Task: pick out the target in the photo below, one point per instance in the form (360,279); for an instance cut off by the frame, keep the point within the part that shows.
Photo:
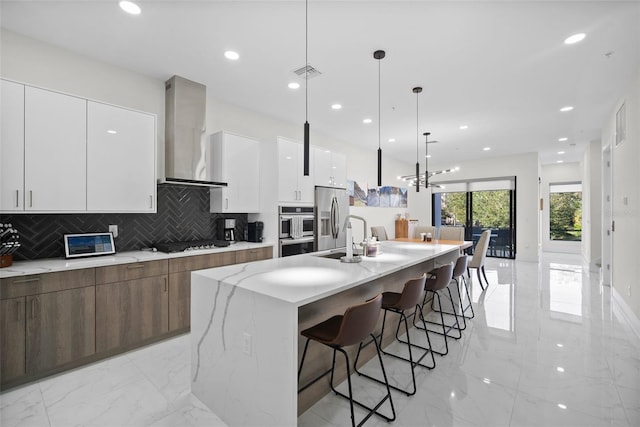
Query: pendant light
(426,159)
(417,91)
(379,54)
(306,88)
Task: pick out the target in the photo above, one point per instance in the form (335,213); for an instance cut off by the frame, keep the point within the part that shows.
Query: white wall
(626,198)
(592,205)
(562,173)
(525,168)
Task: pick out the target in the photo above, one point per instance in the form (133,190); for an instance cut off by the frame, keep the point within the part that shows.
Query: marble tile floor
(545,349)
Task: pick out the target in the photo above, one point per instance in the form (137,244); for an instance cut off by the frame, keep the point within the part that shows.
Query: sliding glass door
(480,206)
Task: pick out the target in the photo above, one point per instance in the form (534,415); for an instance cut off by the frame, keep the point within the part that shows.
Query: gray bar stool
(410,298)
(357,323)
(458,274)
(439,280)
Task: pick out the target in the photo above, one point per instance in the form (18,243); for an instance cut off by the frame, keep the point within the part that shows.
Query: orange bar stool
(440,279)
(411,297)
(357,323)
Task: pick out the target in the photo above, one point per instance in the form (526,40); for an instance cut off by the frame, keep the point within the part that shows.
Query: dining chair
(451,233)
(479,256)
(379,232)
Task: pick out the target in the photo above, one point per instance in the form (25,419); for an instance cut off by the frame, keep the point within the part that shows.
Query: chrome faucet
(364,223)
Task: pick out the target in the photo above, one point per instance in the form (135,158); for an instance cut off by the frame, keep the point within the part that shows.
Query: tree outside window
(565,212)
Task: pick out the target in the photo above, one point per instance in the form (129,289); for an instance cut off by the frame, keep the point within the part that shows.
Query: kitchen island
(246,320)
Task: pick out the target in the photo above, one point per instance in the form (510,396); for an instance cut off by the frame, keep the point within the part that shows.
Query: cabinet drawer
(34,284)
(138,270)
(199,262)
(257,254)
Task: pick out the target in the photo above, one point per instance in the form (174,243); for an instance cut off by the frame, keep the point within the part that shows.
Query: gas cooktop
(193,245)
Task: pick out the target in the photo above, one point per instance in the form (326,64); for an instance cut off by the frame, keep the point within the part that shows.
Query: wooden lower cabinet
(258,254)
(179,300)
(131,312)
(12,338)
(60,328)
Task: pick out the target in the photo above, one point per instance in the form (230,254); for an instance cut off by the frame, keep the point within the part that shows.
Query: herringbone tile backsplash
(183,215)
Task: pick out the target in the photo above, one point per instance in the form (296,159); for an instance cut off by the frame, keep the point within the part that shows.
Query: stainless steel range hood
(185,134)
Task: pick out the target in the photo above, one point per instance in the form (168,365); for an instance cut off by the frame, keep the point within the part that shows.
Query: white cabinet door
(339,169)
(288,170)
(293,186)
(330,168)
(235,159)
(322,167)
(121,161)
(55,151)
(12,147)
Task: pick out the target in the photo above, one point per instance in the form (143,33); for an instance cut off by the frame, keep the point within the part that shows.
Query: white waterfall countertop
(244,325)
(306,278)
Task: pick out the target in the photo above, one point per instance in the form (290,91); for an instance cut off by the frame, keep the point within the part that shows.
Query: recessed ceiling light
(366,121)
(130,7)
(294,85)
(486,148)
(464,127)
(563,139)
(234,56)
(457,168)
(559,345)
(562,406)
(428,156)
(392,140)
(112,132)
(560,369)
(560,152)
(560,161)
(336,106)
(575,38)
(567,108)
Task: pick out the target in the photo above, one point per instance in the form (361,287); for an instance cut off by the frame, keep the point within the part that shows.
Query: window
(565,212)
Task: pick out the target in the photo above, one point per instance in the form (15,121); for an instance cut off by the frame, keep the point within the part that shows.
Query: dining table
(462,244)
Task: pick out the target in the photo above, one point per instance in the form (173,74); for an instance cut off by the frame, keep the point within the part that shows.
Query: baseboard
(620,307)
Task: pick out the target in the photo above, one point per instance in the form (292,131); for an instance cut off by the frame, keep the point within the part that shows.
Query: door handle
(131,267)
(226,202)
(35,279)
(165,284)
(150,202)
(19,303)
(17,198)
(30,198)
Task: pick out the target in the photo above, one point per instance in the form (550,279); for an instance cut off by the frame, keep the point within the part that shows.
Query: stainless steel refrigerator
(332,207)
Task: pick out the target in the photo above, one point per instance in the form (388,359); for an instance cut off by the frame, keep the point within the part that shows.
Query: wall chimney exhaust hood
(185,134)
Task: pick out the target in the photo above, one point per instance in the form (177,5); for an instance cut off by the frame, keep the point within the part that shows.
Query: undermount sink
(333,255)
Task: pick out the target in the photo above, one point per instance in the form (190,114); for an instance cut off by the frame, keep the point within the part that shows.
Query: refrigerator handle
(336,217)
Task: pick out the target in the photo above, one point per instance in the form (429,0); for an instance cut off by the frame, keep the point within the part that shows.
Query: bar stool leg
(373,410)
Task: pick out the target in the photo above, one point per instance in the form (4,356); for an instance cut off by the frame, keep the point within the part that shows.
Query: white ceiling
(499,67)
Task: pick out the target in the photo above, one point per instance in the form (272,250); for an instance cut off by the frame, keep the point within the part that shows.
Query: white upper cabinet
(55,155)
(12,147)
(61,153)
(293,186)
(121,159)
(329,168)
(234,159)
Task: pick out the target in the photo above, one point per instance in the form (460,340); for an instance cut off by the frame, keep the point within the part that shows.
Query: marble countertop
(50,265)
(302,279)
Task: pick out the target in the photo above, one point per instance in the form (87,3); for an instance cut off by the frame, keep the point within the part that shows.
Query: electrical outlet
(247,342)
(114,230)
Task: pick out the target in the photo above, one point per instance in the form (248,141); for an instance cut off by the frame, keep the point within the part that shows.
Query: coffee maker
(226,229)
